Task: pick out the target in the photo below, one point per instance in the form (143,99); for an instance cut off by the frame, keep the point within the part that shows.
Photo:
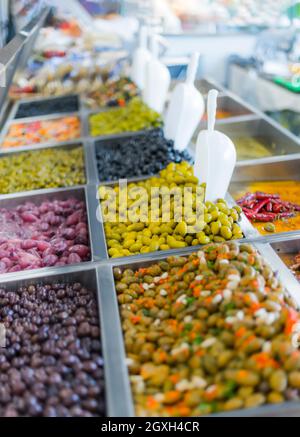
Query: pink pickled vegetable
(53,233)
(50,260)
(74,258)
(73,219)
(81,250)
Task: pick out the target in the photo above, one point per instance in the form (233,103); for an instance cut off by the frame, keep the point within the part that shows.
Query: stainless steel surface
(5,110)
(13,54)
(118,392)
(286,168)
(9,56)
(31,32)
(277,141)
(233,106)
(287,246)
(203,85)
(287,249)
(286,409)
(90,162)
(206,84)
(106,282)
(98,241)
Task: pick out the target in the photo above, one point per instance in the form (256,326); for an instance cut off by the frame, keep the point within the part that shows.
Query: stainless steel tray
(281,168)
(10,122)
(203,85)
(96,144)
(20,103)
(236,107)
(65,146)
(107,286)
(251,234)
(117,391)
(287,248)
(276,170)
(10,201)
(278,141)
(87,113)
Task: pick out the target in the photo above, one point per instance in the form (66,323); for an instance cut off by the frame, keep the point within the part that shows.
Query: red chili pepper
(249,204)
(277,208)
(286,215)
(259,206)
(269,207)
(263,217)
(246,198)
(260,195)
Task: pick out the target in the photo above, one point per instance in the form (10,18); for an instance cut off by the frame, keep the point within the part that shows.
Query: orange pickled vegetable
(44,131)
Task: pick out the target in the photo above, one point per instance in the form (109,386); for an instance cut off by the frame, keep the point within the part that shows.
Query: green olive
(270,227)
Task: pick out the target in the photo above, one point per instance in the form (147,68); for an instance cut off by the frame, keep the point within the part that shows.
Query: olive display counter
(112,317)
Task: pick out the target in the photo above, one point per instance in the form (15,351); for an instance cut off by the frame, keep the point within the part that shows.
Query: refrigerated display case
(217,16)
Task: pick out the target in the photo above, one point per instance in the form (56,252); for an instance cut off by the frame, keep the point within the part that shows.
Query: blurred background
(249,46)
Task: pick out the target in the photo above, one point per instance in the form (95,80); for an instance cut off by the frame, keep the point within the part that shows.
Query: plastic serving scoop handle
(215,156)
(185,109)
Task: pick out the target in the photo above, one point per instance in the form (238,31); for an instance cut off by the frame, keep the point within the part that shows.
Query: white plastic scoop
(157,79)
(141,57)
(185,110)
(215,157)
